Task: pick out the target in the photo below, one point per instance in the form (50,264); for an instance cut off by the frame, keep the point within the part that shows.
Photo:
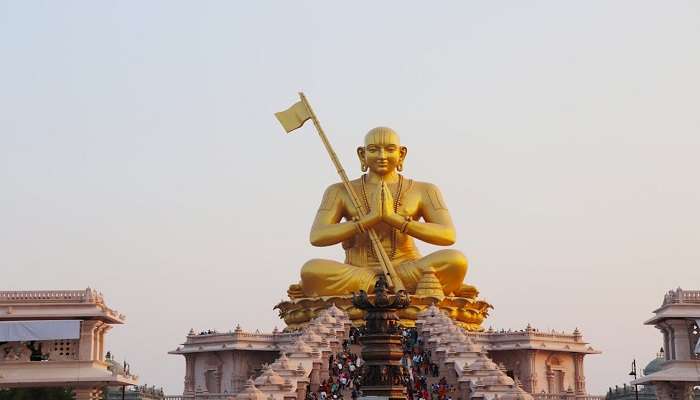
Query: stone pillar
(217,379)
(550,381)
(667,344)
(86,344)
(189,373)
(99,335)
(96,340)
(671,341)
(101,348)
(530,373)
(681,339)
(579,377)
(88,394)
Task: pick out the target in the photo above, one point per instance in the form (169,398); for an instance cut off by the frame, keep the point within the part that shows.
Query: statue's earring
(363,166)
(402,157)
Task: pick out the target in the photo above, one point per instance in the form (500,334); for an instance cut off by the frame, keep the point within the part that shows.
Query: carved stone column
(101,341)
(530,374)
(86,344)
(217,378)
(550,381)
(667,342)
(579,377)
(681,339)
(189,373)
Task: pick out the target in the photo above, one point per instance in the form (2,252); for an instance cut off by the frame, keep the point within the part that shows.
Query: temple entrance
(558,382)
(210,381)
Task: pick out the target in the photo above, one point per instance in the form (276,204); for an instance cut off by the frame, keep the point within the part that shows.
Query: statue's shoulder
(431,194)
(333,197)
(334,190)
(335,187)
(423,187)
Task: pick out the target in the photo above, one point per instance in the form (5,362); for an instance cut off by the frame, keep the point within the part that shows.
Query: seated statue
(399,209)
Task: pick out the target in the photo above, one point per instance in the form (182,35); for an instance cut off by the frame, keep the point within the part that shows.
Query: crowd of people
(421,375)
(344,374)
(419,367)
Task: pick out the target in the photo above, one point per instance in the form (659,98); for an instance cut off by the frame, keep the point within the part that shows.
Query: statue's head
(382,152)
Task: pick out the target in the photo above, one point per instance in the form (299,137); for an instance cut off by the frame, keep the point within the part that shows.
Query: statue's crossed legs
(321,277)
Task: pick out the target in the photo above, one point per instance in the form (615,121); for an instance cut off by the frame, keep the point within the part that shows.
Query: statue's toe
(295,291)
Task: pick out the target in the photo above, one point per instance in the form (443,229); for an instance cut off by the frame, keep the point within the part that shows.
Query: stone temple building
(56,338)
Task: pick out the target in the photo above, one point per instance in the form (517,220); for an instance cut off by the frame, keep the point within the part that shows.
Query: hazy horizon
(140,156)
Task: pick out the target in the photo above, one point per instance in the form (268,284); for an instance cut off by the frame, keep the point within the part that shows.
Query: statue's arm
(327,229)
(437,228)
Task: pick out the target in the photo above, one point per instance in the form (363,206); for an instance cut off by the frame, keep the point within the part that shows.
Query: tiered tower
(678,319)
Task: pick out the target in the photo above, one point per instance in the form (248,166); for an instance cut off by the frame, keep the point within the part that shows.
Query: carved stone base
(468,313)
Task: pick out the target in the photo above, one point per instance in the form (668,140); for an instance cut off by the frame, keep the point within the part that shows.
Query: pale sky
(139,155)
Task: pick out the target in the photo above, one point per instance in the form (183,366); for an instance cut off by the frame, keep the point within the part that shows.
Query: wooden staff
(392,277)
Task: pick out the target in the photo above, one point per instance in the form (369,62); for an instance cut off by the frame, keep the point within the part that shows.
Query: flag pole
(393,280)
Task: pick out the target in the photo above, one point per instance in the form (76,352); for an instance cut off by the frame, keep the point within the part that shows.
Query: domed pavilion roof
(654,365)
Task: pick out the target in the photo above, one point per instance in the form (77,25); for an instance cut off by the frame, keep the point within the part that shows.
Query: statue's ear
(402,156)
(361,155)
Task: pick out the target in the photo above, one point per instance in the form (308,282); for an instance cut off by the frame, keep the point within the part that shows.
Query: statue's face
(382,152)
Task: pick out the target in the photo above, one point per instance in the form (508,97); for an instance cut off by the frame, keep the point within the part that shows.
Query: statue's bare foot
(295,291)
(467,291)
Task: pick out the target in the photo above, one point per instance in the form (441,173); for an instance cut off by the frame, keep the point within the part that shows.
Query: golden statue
(395,210)
(396,206)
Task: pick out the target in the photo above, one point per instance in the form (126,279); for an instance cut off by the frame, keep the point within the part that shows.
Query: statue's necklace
(397,202)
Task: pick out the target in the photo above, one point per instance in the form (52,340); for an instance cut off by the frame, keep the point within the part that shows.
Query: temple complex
(377,218)
(56,338)
(543,365)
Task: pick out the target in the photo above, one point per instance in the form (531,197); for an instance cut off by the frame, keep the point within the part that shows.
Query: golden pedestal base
(467,312)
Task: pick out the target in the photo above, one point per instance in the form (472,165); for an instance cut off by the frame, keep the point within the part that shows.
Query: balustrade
(680,296)
(30,296)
